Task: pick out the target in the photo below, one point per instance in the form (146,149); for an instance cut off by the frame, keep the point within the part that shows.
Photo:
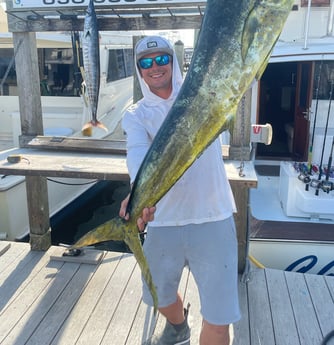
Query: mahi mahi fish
(91,62)
(233,48)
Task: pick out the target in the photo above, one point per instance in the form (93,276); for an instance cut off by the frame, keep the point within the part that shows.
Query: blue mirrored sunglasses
(160,60)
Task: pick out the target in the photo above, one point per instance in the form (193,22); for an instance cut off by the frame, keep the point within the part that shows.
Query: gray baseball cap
(152,44)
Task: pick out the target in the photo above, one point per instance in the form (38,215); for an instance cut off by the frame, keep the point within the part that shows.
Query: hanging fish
(234,47)
(91,64)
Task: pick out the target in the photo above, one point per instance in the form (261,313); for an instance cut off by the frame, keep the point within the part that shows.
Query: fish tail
(112,230)
(117,229)
(87,128)
(101,125)
(137,249)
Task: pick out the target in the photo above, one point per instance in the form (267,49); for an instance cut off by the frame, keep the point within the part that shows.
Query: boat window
(59,75)
(120,64)
(324,70)
(7,71)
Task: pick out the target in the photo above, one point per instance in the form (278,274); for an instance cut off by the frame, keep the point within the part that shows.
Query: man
(193,223)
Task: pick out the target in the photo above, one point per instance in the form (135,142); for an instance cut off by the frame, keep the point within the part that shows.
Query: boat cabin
(60,59)
(294,95)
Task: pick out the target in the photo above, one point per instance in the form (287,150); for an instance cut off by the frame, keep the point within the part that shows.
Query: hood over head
(157,44)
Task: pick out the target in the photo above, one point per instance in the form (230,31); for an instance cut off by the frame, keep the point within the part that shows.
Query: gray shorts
(210,251)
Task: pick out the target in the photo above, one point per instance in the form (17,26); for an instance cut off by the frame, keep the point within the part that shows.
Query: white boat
(291,222)
(64,113)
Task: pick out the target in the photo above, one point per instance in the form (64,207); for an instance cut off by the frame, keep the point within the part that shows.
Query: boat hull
(14,219)
(298,256)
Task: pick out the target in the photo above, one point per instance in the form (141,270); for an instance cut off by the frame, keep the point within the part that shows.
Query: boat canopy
(318,49)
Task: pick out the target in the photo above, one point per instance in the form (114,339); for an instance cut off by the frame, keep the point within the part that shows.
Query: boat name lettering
(306,263)
(40,3)
(64,2)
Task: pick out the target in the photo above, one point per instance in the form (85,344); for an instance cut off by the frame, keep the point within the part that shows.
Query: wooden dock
(45,301)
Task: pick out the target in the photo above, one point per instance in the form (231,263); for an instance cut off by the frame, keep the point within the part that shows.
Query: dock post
(38,210)
(28,80)
(241,194)
(239,151)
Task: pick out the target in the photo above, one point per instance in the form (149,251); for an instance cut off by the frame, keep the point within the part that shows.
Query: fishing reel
(315,183)
(304,177)
(323,185)
(326,186)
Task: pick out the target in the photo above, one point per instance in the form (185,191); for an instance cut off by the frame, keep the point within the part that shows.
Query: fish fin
(101,125)
(135,245)
(112,230)
(248,34)
(263,15)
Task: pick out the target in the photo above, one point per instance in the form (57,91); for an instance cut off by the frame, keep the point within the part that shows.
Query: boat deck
(270,222)
(44,301)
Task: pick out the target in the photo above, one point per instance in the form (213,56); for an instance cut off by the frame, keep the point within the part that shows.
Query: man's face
(158,78)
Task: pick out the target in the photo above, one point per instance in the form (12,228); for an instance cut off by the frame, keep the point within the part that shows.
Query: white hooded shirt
(203,193)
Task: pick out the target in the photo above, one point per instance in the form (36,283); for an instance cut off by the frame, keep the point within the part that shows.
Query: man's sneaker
(171,336)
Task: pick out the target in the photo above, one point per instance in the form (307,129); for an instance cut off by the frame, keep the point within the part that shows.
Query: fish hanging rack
(112,16)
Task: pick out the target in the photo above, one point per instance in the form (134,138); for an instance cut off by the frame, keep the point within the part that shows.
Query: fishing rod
(315,118)
(325,135)
(77,60)
(327,185)
(305,175)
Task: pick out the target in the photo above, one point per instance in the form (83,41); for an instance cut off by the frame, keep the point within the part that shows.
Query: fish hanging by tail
(234,46)
(91,64)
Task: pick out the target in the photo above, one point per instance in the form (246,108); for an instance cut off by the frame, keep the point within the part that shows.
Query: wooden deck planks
(55,303)
(284,325)
(305,316)
(239,332)
(103,312)
(261,328)
(322,301)
(4,247)
(73,327)
(125,314)
(143,325)
(19,272)
(65,303)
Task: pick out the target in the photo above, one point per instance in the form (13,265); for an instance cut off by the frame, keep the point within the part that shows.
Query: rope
(72,184)
(255,261)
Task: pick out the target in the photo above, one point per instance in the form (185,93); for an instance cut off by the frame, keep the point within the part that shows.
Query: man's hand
(147,214)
